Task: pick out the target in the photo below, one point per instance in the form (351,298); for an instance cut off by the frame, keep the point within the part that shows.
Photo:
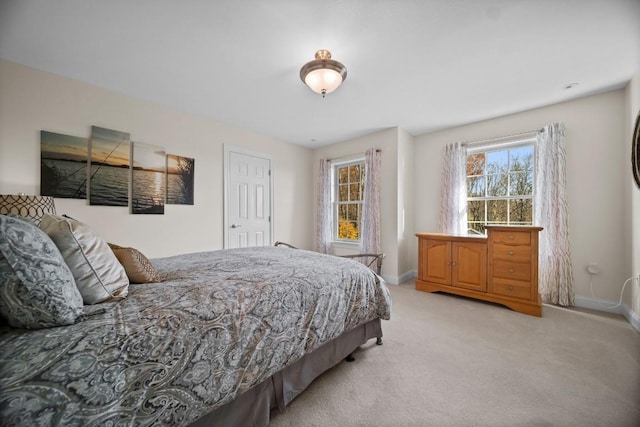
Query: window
(500,186)
(348,193)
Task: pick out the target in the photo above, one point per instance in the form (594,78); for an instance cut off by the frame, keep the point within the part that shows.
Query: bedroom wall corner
(407,243)
(34,100)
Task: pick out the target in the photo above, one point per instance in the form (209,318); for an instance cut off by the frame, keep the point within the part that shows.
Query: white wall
(597,156)
(632,298)
(31,100)
(407,242)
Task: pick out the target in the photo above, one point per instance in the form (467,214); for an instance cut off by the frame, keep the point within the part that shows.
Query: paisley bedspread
(219,323)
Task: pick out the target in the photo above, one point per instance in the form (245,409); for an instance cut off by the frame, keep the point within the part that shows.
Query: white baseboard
(610,307)
(396,280)
(632,317)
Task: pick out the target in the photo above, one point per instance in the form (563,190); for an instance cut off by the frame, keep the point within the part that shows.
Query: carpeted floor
(451,361)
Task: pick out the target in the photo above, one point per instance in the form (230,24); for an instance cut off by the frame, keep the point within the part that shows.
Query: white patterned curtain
(453,193)
(323,232)
(370,235)
(550,205)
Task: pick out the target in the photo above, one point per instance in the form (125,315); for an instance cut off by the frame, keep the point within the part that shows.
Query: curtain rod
(378,150)
(512,136)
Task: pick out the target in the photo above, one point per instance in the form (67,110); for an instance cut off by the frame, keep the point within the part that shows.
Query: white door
(248,194)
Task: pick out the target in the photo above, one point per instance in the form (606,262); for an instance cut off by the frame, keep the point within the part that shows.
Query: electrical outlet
(593,268)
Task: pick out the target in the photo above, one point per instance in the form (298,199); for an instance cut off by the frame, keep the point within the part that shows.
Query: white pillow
(98,274)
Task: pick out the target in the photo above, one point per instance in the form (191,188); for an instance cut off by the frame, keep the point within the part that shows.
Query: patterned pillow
(98,274)
(37,289)
(137,266)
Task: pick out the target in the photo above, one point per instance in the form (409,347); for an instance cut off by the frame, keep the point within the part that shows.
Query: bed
(223,339)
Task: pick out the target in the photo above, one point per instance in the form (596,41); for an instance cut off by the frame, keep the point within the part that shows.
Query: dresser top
(512,228)
(477,237)
(457,237)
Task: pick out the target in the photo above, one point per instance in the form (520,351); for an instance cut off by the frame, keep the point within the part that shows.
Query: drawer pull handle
(510,287)
(510,236)
(511,270)
(511,253)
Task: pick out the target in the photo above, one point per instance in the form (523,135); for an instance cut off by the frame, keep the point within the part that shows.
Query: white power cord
(621,291)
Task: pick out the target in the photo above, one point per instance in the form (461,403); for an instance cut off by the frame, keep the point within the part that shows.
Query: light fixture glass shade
(323,80)
(31,207)
(323,75)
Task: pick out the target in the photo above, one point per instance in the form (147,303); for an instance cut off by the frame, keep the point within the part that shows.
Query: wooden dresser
(501,267)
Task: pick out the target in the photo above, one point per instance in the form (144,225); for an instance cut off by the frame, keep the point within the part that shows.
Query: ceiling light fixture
(323,75)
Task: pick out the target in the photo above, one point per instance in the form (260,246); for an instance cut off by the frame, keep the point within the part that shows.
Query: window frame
(492,147)
(335,166)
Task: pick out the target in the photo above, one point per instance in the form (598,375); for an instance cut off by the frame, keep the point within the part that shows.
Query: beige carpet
(451,361)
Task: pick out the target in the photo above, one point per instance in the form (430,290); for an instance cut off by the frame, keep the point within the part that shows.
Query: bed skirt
(253,408)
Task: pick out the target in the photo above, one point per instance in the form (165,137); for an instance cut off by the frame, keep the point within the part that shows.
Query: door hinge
(269,218)
(269,172)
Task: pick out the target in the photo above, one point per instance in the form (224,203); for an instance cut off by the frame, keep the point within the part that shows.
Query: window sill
(345,245)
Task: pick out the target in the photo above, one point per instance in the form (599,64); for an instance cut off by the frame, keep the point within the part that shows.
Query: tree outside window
(500,188)
(349,193)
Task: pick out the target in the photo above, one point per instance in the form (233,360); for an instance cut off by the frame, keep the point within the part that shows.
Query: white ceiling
(420,65)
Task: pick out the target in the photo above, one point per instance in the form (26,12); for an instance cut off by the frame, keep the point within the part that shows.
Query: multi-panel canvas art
(110,170)
(180,180)
(148,179)
(63,165)
(109,167)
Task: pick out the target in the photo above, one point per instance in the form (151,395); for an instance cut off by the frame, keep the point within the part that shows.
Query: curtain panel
(324,215)
(453,192)
(555,277)
(370,228)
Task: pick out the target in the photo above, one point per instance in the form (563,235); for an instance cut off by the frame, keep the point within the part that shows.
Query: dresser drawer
(512,253)
(512,237)
(511,288)
(512,270)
